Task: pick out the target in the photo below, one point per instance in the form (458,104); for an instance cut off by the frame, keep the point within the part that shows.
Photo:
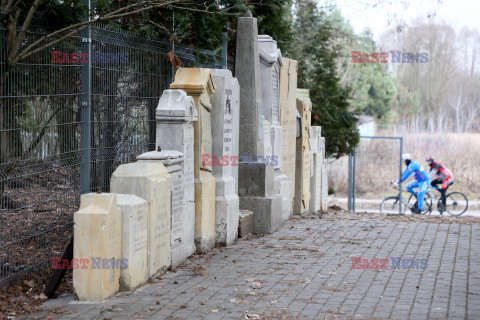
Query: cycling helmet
(406,156)
(430,159)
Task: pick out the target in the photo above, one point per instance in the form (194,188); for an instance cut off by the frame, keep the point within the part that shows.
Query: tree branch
(23,30)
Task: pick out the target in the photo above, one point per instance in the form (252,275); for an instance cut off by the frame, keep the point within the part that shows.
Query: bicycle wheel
(457,203)
(391,205)
(427,203)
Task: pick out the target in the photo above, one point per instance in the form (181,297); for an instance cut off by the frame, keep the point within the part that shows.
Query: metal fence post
(400,178)
(85,108)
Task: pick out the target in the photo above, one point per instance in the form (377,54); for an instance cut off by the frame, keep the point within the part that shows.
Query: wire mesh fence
(40,132)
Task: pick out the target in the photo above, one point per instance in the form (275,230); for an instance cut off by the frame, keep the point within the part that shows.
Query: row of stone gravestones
(224,144)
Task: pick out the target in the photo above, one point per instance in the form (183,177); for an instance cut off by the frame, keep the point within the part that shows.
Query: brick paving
(304,271)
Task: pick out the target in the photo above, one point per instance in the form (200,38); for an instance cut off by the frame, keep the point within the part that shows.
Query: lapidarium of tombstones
(288,112)
(175,116)
(255,185)
(302,170)
(198,83)
(224,158)
(97,247)
(150,181)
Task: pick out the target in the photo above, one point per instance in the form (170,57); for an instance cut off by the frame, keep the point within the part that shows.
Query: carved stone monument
(256,179)
(288,112)
(302,170)
(97,246)
(225,127)
(151,182)
(198,83)
(316,163)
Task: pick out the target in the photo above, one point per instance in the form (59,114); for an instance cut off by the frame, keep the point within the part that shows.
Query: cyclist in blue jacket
(422,181)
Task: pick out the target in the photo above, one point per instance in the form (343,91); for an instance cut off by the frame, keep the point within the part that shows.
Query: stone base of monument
(205,235)
(245,223)
(134,240)
(282,187)
(226,217)
(267,212)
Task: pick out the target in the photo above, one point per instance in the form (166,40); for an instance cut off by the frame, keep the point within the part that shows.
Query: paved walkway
(304,271)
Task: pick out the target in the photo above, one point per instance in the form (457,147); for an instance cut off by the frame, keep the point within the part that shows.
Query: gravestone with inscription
(151,182)
(302,163)
(173,162)
(225,155)
(271,62)
(316,163)
(175,117)
(256,178)
(324,184)
(288,112)
(134,270)
(198,83)
(97,246)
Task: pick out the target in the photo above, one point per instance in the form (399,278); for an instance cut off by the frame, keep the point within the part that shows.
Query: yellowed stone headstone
(288,115)
(302,170)
(198,83)
(97,241)
(150,181)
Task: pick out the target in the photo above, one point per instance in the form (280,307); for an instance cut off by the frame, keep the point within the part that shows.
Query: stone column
(225,129)
(97,240)
(173,162)
(316,163)
(271,62)
(255,185)
(151,182)
(324,183)
(175,116)
(198,83)
(288,112)
(302,163)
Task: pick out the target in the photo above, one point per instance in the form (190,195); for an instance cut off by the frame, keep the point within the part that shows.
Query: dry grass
(377,163)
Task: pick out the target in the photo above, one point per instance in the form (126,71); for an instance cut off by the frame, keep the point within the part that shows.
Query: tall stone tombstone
(302,163)
(316,163)
(151,182)
(97,239)
(225,129)
(198,83)
(271,62)
(288,112)
(256,180)
(173,162)
(175,116)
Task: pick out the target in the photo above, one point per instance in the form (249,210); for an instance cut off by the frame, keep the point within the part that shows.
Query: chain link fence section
(377,161)
(40,132)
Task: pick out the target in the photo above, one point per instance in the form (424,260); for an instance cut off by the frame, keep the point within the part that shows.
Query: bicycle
(456,202)
(392,205)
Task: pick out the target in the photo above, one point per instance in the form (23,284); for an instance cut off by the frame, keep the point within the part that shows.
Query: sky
(376,14)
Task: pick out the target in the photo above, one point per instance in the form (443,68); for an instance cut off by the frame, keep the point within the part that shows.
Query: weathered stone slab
(223,123)
(176,114)
(97,239)
(134,212)
(316,163)
(173,161)
(256,182)
(302,163)
(198,83)
(288,112)
(245,225)
(151,182)
(324,192)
